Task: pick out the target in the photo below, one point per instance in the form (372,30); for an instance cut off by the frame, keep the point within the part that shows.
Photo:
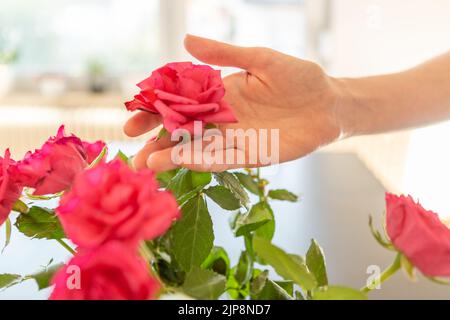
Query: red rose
(111,201)
(53,168)
(419,235)
(182,93)
(110,272)
(10,189)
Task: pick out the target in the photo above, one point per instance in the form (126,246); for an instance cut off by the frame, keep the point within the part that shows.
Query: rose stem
(386,274)
(66,246)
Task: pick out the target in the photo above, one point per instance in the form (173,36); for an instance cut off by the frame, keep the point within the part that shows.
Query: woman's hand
(276,91)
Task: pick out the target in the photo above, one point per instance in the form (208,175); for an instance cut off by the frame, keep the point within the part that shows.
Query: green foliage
(204,284)
(284,264)
(281,194)
(192,236)
(258,215)
(338,293)
(40,223)
(217,261)
(223,197)
(230,181)
(248,182)
(8,279)
(315,260)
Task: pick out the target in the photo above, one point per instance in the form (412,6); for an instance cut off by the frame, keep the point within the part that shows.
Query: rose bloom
(182,93)
(111,201)
(10,189)
(53,168)
(109,272)
(419,235)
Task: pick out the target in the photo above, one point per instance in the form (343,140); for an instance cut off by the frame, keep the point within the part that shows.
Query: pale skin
(310,108)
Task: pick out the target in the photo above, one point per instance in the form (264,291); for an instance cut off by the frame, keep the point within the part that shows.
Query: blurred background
(76,61)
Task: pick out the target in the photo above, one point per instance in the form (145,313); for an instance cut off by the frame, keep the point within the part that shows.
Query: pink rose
(111,201)
(10,189)
(53,168)
(109,272)
(182,93)
(419,235)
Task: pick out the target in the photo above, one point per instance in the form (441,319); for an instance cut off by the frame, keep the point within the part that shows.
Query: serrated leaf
(204,284)
(284,264)
(165,177)
(200,178)
(218,261)
(267,231)
(43,278)
(230,181)
(258,215)
(248,182)
(192,236)
(263,288)
(315,260)
(185,184)
(338,293)
(40,223)
(282,194)
(9,279)
(223,197)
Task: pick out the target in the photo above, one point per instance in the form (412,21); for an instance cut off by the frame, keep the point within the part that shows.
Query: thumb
(227,55)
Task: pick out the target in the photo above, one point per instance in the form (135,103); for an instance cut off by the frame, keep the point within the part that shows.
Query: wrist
(350,106)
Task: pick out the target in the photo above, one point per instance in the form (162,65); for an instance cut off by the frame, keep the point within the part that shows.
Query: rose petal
(191,110)
(174,98)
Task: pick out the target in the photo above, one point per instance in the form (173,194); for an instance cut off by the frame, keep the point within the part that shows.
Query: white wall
(377,36)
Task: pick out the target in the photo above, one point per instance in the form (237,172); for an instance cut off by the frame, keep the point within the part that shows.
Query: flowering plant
(140,235)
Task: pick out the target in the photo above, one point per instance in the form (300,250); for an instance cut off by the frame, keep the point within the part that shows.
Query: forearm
(412,98)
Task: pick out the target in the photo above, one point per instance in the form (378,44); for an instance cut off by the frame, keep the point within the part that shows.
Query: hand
(276,91)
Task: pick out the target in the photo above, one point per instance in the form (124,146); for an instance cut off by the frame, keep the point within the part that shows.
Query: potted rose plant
(140,235)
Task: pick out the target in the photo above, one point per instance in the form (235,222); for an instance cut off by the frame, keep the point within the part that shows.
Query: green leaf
(200,178)
(40,223)
(165,177)
(163,132)
(248,182)
(263,288)
(315,260)
(204,284)
(281,194)
(258,215)
(223,197)
(185,184)
(192,236)
(284,264)
(217,261)
(8,280)
(234,289)
(7,233)
(267,230)
(230,181)
(43,278)
(338,293)
(244,269)
(288,286)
